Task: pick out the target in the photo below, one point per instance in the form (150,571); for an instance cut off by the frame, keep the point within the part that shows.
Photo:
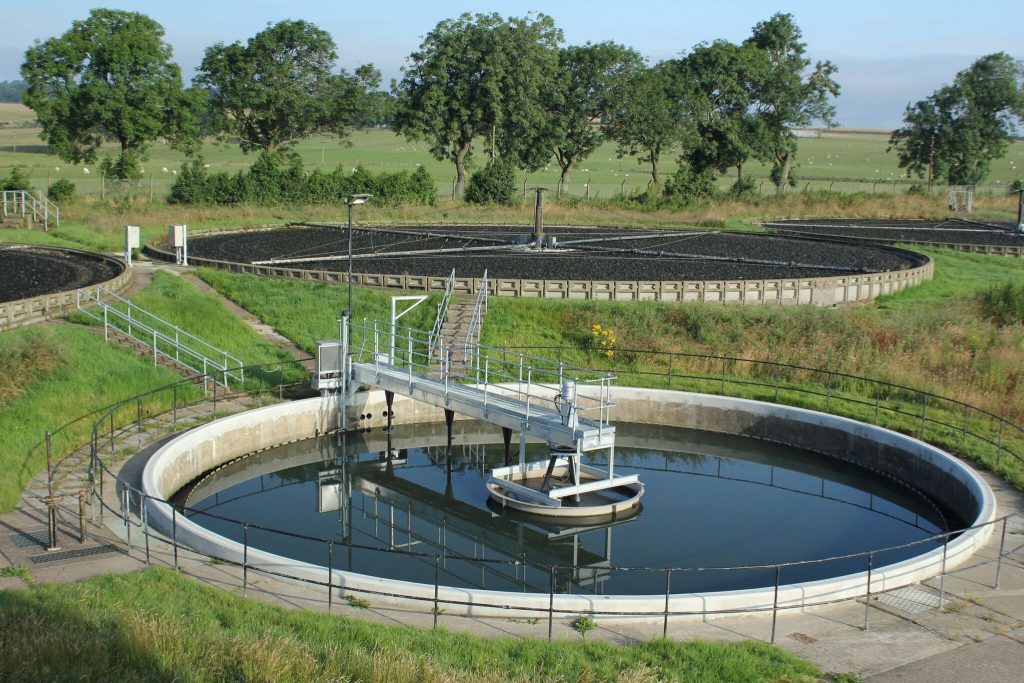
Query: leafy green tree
(957,131)
(647,116)
(482,76)
(279,87)
(587,75)
(110,77)
(787,95)
(495,183)
(719,80)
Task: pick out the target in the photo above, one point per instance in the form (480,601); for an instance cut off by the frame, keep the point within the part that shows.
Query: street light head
(357,199)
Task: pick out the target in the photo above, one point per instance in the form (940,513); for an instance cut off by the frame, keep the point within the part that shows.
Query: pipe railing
(159,336)
(975,429)
(442,311)
(22,204)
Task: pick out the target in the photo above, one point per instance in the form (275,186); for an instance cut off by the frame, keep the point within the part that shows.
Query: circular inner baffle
(569,253)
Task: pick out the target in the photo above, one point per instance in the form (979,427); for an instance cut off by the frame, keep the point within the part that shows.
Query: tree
(279,88)
(719,80)
(481,76)
(957,131)
(647,116)
(786,95)
(10,91)
(110,77)
(587,75)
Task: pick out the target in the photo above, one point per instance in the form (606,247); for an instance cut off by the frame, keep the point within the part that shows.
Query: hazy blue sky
(888,53)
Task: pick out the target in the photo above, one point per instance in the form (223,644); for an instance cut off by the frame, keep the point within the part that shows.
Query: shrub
(495,183)
(1003,304)
(61,191)
(743,189)
(688,186)
(17,180)
(1016,186)
(281,179)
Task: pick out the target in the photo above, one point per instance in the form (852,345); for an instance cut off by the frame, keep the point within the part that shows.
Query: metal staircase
(23,206)
(167,343)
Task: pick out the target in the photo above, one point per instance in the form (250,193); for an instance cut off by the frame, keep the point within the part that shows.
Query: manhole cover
(72,554)
(26,539)
(912,599)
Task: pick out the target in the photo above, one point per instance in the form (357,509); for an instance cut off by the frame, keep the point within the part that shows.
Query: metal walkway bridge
(568,407)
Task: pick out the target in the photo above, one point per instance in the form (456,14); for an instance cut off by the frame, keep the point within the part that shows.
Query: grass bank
(52,374)
(307,312)
(155,625)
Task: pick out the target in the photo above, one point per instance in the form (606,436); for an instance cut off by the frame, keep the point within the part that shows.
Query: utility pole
(538,217)
(931,165)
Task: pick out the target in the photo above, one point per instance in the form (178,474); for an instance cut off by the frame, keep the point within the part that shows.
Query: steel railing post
(437,581)
(867,590)
(999,558)
(144,518)
(551,605)
(245,558)
(942,573)
(174,534)
(330,575)
(775,601)
(668,593)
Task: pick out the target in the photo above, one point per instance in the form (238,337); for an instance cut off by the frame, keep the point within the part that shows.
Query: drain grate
(912,600)
(27,539)
(803,638)
(72,554)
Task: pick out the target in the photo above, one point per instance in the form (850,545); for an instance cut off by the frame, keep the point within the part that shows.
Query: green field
(858,156)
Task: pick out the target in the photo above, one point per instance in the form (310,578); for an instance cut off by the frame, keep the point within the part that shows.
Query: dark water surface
(711,500)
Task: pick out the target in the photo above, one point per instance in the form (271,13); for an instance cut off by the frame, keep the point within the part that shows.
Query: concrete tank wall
(932,471)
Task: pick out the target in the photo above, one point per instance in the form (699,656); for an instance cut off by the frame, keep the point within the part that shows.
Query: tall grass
(54,374)
(307,312)
(156,626)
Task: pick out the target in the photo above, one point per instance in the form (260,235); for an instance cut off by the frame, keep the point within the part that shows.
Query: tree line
(508,84)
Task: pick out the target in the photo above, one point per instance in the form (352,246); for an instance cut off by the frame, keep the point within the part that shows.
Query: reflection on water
(361,503)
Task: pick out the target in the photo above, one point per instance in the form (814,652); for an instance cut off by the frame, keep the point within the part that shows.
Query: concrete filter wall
(35,309)
(823,291)
(929,469)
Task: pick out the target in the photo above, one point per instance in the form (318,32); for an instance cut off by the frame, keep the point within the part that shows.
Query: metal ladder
(161,338)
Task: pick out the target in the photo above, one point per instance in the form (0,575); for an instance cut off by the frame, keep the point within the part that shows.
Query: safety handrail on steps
(442,311)
(473,331)
(22,203)
(159,336)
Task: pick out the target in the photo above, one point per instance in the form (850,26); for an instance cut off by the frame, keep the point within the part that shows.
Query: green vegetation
(109,77)
(18,571)
(181,303)
(155,625)
(307,312)
(1003,304)
(495,183)
(956,132)
(51,375)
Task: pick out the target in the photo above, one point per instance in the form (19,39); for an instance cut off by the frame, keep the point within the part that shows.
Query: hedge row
(276,179)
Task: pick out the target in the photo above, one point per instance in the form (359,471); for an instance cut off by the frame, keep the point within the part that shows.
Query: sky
(888,53)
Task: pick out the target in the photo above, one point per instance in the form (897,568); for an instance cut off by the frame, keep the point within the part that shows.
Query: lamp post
(353,199)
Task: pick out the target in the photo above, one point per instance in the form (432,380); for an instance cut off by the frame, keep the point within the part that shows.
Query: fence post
(437,580)
(942,574)
(924,410)
(670,357)
(144,517)
(775,602)
(138,415)
(81,515)
(330,575)
(551,604)
(723,377)
(245,558)
(999,559)
(999,442)
(126,510)
(867,592)
(828,390)
(174,407)
(174,534)
(668,592)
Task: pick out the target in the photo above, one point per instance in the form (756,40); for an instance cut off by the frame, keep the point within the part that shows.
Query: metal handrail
(132,497)
(224,366)
(442,311)
(22,202)
(476,322)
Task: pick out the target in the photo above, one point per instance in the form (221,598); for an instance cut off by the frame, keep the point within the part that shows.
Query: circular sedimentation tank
(962,234)
(733,487)
(30,271)
(574,262)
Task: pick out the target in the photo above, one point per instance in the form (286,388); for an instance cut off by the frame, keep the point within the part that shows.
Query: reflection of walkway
(979,636)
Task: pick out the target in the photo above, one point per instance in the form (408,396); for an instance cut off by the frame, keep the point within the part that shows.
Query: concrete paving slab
(997,660)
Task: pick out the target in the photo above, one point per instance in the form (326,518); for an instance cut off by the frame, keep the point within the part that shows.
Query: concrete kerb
(189,455)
